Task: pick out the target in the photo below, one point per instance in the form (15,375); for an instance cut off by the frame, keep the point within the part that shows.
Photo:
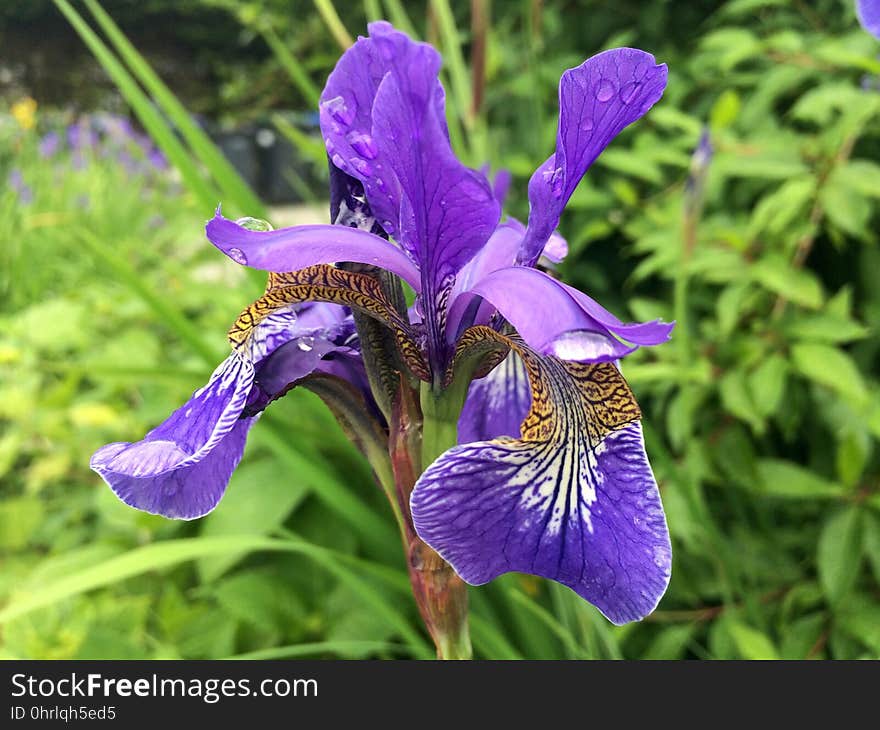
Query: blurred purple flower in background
(22,189)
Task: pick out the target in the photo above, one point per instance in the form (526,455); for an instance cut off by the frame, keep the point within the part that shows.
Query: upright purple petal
(382,116)
(298,247)
(868,12)
(596,101)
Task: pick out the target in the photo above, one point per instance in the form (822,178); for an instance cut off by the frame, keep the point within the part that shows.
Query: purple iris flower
(49,144)
(22,189)
(868,12)
(550,475)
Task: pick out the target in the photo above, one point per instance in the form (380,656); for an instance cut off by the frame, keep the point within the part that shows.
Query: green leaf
(871,534)
(751,643)
(142,106)
(784,479)
(19,517)
(839,553)
(670,643)
(724,110)
(830,367)
(846,207)
(235,189)
(736,399)
(800,286)
(767,384)
(256,502)
(826,327)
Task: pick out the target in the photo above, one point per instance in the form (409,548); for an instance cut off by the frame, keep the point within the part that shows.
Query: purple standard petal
(296,248)
(574,500)
(558,320)
(596,101)
(181,468)
(868,12)
(382,116)
(497,404)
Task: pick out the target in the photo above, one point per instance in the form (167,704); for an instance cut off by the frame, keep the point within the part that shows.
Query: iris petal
(180,469)
(496,404)
(298,247)
(573,499)
(868,12)
(596,101)
(556,319)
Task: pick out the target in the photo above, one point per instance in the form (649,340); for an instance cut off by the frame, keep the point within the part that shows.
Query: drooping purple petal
(497,404)
(590,519)
(180,469)
(298,247)
(868,12)
(596,101)
(556,319)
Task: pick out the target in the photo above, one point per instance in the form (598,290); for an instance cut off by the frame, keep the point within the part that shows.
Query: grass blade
(334,23)
(234,188)
(140,103)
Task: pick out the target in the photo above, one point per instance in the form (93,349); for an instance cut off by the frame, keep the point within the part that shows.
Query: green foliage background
(762,416)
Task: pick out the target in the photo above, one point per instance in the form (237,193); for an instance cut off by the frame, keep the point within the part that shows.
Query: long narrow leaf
(234,188)
(140,103)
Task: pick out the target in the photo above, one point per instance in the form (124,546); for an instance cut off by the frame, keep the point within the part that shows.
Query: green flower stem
(440,594)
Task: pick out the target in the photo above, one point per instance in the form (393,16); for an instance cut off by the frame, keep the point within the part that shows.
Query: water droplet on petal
(388,226)
(305,344)
(380,184)
(587,125)
(629,91)
(237,255)
(339,162)
(328,145)
(554,178)
(363,144)
(362,166)
(604,91)
(341,111)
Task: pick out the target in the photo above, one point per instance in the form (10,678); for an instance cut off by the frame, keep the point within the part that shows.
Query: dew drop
(237,255)
(388,226)
(554,178)
(629,91)
(339,162)
(362,166)
(380,185)
(604,91)
(339,110)
(305,344)
(363,144)
(587,125)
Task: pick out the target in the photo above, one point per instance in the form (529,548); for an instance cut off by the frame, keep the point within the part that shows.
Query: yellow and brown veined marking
(326,283)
